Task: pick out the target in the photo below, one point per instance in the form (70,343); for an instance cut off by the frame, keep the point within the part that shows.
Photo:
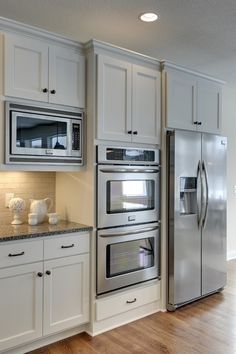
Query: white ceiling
(200,34)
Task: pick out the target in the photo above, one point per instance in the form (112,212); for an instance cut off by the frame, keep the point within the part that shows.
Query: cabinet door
(21,304)
(181,94)
(26,68)
(209,108)
(146,105)
(66,293)
(113,99)
(66,77)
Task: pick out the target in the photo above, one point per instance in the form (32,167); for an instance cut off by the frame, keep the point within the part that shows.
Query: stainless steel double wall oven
(128,214)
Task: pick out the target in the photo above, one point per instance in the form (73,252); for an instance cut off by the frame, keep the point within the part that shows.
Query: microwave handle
(123,170)
(126,233)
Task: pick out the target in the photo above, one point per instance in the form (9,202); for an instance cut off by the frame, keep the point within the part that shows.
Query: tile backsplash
(26,185)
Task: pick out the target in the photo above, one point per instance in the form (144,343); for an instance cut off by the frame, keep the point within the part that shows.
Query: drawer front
(67,245)
(117,304)
(15,253)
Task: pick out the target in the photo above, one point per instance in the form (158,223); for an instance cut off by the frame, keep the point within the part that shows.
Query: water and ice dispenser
(188,195)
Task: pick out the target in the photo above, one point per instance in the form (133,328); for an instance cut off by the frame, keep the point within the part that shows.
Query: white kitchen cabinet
(21,304)
(66,293)
(192,102)
(128,101)
(39,71)
(209,105)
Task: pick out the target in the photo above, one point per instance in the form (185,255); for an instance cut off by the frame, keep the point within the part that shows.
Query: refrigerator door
(184,155)
(214,218)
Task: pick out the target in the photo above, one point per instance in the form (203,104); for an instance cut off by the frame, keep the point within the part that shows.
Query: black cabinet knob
(53,92)
(135,132)
(199,123)
(195,122)
(48,272)
(129,131)
(40,274)
(45,90)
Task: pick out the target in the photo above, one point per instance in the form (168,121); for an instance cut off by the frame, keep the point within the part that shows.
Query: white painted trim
(231,255)
(167,64)
(96,44)
(21,28)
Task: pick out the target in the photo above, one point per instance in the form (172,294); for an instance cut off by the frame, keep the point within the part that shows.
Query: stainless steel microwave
(43,135)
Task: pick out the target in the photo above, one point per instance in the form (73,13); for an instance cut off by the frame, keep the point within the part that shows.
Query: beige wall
(229,130)
(26,185)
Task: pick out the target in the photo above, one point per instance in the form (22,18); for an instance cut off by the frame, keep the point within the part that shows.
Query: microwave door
(40,135)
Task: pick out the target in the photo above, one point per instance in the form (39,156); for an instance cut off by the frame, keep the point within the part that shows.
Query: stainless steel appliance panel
(214,218)
(184,235)
(126,256)
(127,195)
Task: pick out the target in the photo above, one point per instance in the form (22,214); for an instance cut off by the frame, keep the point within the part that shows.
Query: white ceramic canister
(53,218)
(32,219)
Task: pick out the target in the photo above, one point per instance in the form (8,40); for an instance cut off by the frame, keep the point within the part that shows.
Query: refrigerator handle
(204,169)
(199,194)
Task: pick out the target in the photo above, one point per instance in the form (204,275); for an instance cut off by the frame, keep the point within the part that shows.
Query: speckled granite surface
(10,232)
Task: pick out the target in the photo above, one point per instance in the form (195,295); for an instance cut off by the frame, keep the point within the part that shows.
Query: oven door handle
(123,170)
(126,233)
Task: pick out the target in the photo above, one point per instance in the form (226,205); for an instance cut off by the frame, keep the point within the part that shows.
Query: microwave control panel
(76,136)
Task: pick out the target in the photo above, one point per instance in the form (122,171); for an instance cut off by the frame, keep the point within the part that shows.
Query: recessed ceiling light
(148,17)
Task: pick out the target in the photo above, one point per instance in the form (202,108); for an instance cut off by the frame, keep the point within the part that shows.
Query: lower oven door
(126,256)
(127,195)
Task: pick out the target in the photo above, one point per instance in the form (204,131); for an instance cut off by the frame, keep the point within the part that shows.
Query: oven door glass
(130,195)
(33,134)
(129,256)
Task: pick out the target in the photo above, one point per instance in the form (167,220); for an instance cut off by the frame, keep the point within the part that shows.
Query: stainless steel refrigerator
(196,216)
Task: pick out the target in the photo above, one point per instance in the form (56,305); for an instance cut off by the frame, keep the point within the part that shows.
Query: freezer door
(184,241)
(214,218)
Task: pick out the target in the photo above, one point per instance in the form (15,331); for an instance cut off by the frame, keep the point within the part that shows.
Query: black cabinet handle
(199,123)
(129,131)
(69,246)
(135,132)
(195,122)
(40,274)
(131,301)
(16,254)
(45,90)
(53,92)
(48,272)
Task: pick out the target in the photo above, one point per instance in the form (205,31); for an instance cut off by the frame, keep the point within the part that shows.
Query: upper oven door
(39,134)
(127,195)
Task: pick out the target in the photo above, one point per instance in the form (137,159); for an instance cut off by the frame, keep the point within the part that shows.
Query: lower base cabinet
(20,305)
(45,297)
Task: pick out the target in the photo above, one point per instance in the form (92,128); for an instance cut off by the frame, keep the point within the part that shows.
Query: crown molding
(16,27)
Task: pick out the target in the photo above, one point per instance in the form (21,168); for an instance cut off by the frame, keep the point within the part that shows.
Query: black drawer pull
(195,122)
(48,272)
(132,301)
(40,274)
(199,123)
(135,132)
(16,254)
(70,246)
(129,131)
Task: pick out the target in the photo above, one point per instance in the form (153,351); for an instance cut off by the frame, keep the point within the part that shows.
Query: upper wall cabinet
(192,102)
(42,72)
(128,101)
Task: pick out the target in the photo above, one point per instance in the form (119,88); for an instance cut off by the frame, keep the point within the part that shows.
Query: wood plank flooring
(207,326)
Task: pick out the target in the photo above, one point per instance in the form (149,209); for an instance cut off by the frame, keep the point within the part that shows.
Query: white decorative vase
(41,208)
(17,206)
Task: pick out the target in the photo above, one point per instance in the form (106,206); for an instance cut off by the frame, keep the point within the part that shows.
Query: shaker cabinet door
(26,68)
(113,99)
(209,107)
(66,293)
(181,98)
(146,105)
(21,304)
(66,77)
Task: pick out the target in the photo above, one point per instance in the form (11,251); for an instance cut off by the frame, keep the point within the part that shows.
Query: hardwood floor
(207,326)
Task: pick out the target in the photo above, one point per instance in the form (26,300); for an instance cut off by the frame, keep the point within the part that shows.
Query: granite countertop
(24,231)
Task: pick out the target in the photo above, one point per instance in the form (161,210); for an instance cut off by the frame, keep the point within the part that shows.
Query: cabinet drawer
(20,253)
(117,304)
(67,245)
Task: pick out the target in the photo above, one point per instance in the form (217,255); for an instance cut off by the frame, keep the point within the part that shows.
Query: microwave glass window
(40,133)
(131,195)
(129,256)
